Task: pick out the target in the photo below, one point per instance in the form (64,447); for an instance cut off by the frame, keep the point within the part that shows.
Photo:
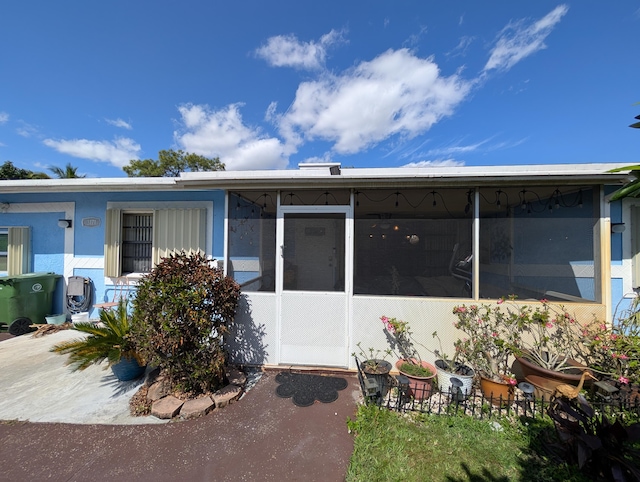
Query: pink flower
(544,300)
(623,357)
(500,301)
(494,334)
(473,307)
(603,326)
(387,324)
(549,325)
(613,336)
(624,380)
(512,381)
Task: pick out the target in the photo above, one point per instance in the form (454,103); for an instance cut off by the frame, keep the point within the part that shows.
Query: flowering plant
(401,339)
(614,350)
(487,346)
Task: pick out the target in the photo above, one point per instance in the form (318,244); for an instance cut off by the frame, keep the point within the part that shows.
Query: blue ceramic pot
(127,369)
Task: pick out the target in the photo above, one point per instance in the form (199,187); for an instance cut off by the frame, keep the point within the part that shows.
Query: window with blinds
(4,244)
(15,250)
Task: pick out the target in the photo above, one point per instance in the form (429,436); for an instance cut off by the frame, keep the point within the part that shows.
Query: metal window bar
(137,242)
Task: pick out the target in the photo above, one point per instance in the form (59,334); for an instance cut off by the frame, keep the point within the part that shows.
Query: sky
(269,85)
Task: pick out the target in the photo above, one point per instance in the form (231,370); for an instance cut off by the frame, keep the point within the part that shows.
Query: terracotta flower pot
(419,387)
(498,393)
(570,376)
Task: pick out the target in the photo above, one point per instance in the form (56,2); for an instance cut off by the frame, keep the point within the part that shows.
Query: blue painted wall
(48,238)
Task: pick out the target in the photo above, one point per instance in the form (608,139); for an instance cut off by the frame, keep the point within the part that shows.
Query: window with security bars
(137,242)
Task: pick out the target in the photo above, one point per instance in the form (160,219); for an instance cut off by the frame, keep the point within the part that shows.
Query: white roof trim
(320,175)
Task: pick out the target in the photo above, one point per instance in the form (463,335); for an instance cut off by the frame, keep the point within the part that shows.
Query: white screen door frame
(313,324)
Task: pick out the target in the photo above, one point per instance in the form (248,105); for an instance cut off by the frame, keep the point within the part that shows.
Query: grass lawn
(411,447)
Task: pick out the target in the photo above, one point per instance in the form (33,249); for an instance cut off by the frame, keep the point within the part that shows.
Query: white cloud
(118,153)
(396,93)
(4,117)
(288,51)
(26,130)
(120,123)
(461,49)
(326,157)
(436,163)
(517,40)
(456,149)
(222,134)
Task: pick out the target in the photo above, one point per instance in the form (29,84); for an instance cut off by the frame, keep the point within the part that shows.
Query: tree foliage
(632,188)
(171,163)
(69,172)
(181,312)
(10,172)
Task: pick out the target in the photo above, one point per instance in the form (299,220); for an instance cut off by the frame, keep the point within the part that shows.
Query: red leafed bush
(181,312)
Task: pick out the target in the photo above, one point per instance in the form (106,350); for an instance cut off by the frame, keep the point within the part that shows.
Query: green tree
(10,172)
(69,172)
(171,163)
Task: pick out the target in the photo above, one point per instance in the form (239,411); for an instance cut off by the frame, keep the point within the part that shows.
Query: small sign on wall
(90,222)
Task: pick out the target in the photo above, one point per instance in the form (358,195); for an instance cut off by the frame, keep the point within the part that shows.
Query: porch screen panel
(539,242)
(176,230)
(18,250)
(252,240)
(112,240)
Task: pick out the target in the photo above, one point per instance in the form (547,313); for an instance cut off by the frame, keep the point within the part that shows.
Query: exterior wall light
(64,223)
(617,227)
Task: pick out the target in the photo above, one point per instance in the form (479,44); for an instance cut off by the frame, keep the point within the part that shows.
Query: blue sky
(267,85)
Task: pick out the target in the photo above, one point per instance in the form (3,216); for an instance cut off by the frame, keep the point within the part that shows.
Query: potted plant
(419,372)
(544,339)
(106,341)
(374,365)
(449,369)
(487,348)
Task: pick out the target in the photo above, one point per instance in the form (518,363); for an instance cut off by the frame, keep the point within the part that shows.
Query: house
(322,252)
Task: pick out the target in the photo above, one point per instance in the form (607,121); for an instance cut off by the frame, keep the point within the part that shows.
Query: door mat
(305,389)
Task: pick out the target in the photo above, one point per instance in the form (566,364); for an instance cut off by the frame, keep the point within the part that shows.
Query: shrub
(181,312)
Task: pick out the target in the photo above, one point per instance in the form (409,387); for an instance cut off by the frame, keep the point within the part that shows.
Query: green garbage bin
(26,299)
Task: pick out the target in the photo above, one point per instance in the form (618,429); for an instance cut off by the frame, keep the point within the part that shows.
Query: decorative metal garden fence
(396,393)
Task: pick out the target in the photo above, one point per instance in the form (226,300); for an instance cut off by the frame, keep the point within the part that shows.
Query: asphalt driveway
(259,437)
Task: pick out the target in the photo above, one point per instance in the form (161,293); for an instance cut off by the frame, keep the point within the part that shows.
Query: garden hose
(79,294)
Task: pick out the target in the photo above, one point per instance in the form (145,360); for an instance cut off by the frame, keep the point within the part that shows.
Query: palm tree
(69,172)
(106,341)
